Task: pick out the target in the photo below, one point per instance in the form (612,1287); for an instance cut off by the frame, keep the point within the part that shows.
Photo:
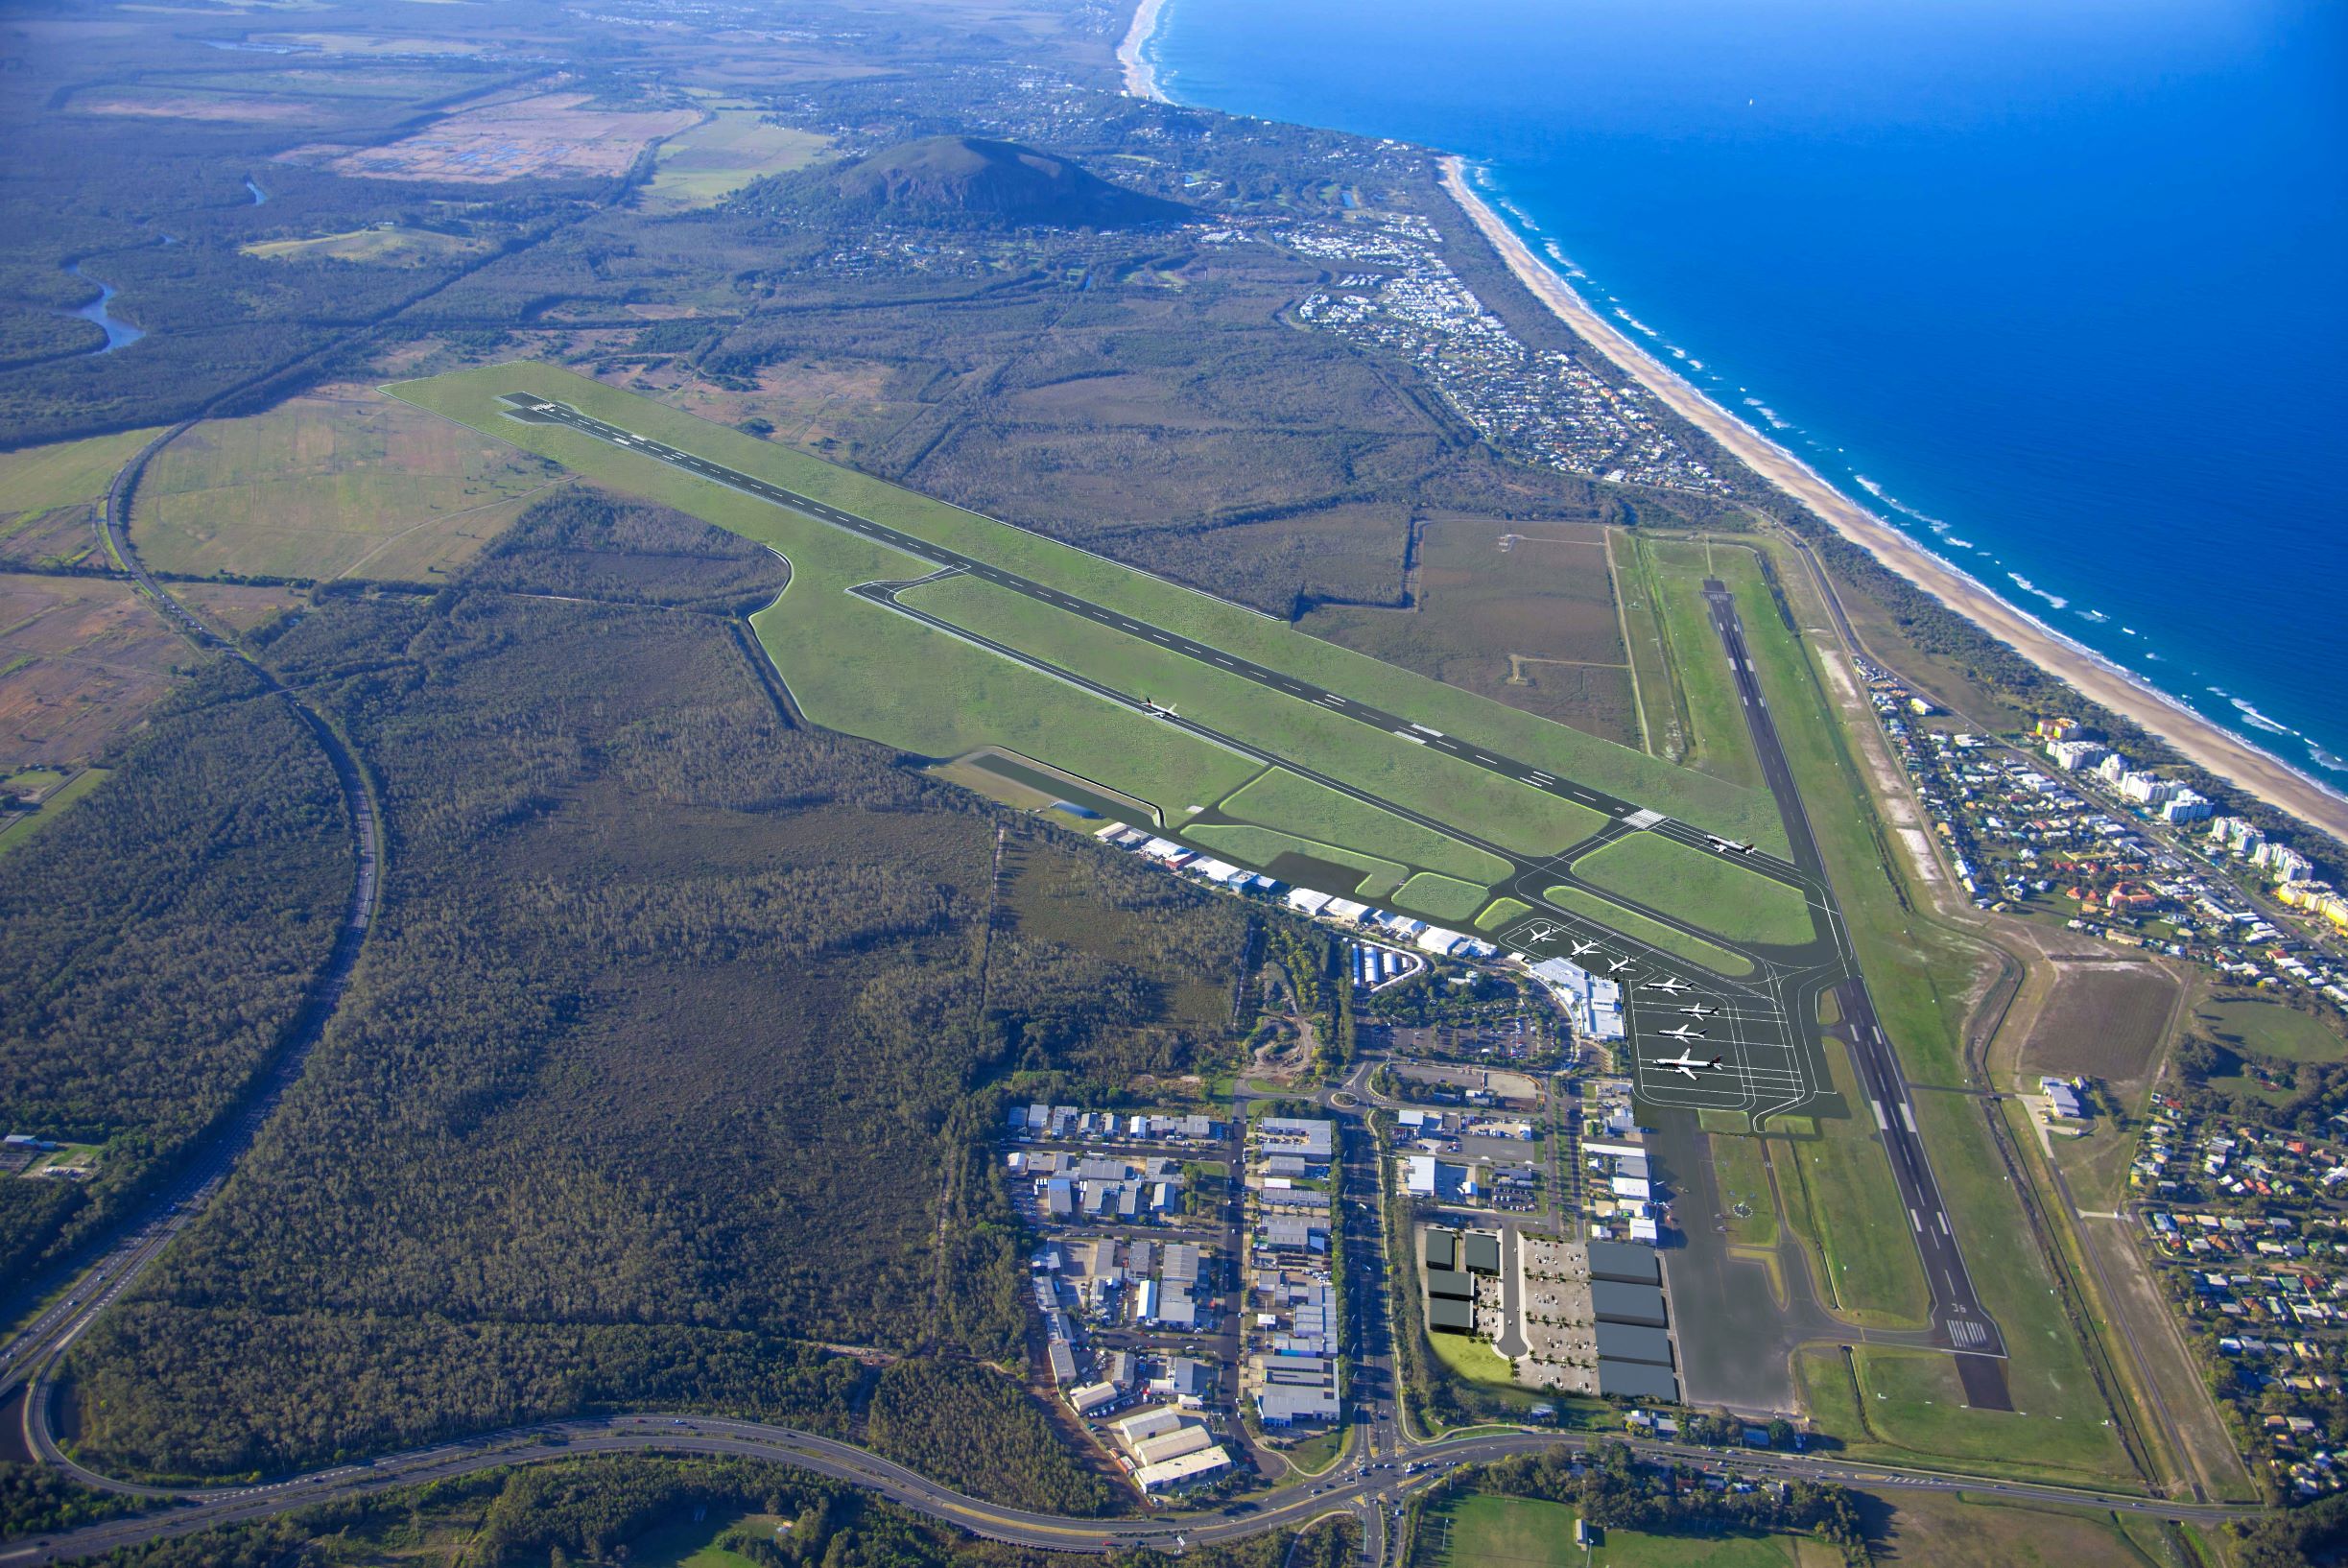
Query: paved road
(1957,1316)
(1353,1493)
(78,1291)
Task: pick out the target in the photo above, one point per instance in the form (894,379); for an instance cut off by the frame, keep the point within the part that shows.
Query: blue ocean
(2060,288)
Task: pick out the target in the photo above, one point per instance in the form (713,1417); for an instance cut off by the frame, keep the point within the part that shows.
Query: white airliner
(1685,1032)
(1163,712)
(1584,949)
(1615,966)
(1540,932)
(1698,1009)
(1687,1064)
(1668,985)
(1729,846)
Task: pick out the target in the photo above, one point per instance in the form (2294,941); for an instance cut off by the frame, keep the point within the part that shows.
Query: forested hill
(678,1027)
(948,180)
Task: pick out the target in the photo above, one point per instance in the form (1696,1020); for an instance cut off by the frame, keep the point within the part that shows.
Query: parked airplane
(1698,1009)
(1729,846)
(1685,1032)
(1688,1065)
(1540,932)
(1583,949)
(1668,985)
(1615,966)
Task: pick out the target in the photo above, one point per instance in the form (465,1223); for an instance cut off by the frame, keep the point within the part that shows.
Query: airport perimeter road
(1353,1495)
(1957,1315)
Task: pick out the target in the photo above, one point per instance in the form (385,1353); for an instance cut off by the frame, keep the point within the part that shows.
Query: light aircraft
(1729,846)
(1615,966)
(1687,1064)
(1685,1032)
(1668,985)
(1698,1009)
(1584,949)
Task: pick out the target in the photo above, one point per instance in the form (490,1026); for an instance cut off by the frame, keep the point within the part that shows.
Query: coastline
(1140,77)
(2208,745)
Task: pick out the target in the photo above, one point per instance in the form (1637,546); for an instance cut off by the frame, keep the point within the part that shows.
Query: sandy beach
(1140,82)
(2211,747)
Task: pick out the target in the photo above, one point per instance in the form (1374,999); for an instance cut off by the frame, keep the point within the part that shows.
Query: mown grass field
(2270,1029)
(1281,726)
(1843,1204)
(1281,800)
(1471,1355)
(1262,847)
(470,396)
(1703,888)
(1481,1529)
(337,483)
(1718,742)
(1744,1185)
(36,478)
(704,166)
(1694,949)
(1442,897)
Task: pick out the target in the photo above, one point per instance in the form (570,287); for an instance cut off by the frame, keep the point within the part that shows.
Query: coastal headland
(2205,744)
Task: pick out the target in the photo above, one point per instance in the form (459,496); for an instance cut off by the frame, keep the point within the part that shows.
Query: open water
(2060,288)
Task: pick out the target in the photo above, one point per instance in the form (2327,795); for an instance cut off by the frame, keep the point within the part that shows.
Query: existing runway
(1957,1311)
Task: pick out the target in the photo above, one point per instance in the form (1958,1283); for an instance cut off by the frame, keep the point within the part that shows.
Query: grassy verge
(1631,923)
(1503,912)
(1281,800)
(1744,1186)
(1704,888)
(1260,846)
(1850,1213)
(1471,1358)
(55,806)
(1717,740)
(1441,898)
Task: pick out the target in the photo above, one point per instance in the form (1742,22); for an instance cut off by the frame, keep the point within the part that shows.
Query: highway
(78,1291)
(1957,1316)
(1353,1490)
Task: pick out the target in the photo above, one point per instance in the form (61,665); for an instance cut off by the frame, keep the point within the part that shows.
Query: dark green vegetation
(626,1508)
(36,1499)
(940,182)
(923,1412)
(676,1034)
(155,944)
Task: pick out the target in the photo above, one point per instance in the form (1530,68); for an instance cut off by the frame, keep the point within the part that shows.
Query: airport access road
(1961,1321)
(1352,1494)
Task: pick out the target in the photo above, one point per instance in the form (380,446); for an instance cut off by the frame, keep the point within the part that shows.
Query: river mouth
(118,334)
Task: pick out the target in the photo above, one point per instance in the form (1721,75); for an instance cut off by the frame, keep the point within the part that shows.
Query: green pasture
(37,478)
(1701,886)
(2270,1029)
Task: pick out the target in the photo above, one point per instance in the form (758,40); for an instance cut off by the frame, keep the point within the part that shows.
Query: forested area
(37,1498)
(155,945)
(591,544)
(922,1414)
(675,1032)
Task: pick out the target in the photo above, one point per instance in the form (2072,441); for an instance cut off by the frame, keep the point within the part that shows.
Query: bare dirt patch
(2108,1021)
(81,660)
(550,135)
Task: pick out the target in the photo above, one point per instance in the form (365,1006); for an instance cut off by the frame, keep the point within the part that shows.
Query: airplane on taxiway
(1728,846)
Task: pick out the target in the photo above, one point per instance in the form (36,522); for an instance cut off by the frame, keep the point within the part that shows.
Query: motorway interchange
(1761,1026)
